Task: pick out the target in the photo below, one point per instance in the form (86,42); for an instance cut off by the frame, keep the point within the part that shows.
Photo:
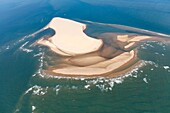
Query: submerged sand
(82,55)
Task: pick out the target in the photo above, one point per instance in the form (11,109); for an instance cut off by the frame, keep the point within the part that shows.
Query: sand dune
(71,39)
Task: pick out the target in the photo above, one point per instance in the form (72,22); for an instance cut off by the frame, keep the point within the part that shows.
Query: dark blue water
(20,18)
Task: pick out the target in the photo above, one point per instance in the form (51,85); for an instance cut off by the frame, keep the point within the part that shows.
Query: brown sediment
(108,51)
(85,61)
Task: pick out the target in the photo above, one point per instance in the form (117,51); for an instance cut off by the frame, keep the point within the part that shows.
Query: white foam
(7,47)
(30,89)
(86,86)
(39,54)
(149,45)
(135,76)
(33,108)
(141,71)
(25,49)
(145,80)
(166,67)
(34,75)
(102,87)
(74,87)
(37,90)
(156,53)
(39,71)
(24,44)
(57,89)
(151,63)
(24,38)
(111,83)
(16,111)
(118,81)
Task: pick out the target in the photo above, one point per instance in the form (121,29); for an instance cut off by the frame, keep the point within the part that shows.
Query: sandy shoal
(99,68)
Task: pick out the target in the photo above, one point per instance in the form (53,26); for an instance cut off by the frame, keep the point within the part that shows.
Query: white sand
(71,39)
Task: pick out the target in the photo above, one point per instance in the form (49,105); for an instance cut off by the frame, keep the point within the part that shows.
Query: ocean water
(24,89)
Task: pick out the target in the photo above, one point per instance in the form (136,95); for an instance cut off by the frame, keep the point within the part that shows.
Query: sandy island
(82,55)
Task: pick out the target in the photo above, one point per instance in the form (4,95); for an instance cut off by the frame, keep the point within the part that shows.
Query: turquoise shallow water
(22,90)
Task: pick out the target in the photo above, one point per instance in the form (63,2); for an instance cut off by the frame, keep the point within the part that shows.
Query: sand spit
(82,55)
